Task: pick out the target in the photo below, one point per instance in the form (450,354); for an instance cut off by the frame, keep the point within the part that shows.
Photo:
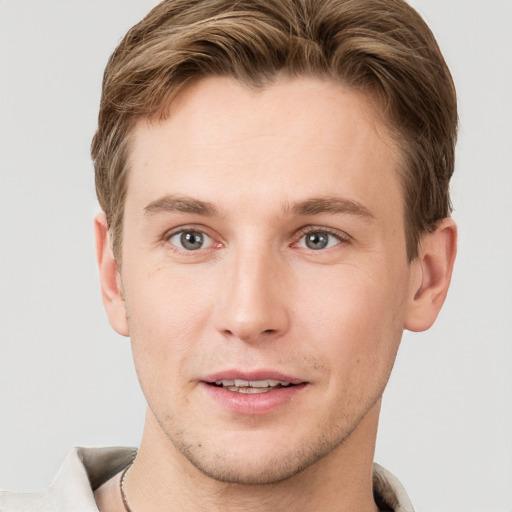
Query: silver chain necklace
(121,486)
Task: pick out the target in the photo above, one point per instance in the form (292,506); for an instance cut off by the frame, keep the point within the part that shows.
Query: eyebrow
(180,204)
(313,206)
(319,205)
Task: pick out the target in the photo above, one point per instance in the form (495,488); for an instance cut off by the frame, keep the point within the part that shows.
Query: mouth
(251,386)
(255,392)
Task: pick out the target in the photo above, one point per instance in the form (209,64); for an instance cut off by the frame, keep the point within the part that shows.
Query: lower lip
(253,403)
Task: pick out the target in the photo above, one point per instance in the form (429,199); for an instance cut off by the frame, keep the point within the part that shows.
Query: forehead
(298,137)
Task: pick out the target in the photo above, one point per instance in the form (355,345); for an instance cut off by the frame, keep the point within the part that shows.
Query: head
(382,48)
(274,180)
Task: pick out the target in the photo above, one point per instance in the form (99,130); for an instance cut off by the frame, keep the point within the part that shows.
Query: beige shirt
(85,469)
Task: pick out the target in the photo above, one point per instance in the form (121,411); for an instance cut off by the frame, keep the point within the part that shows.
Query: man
(274,184)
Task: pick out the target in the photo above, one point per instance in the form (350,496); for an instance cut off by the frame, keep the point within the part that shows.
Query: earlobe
(435,264)
(110,278)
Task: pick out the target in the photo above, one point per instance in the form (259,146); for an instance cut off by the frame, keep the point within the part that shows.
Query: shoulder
(389,492)
(83,470)
(24,502)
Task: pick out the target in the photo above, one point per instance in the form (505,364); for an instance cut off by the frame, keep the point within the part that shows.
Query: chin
(251,472)
(248,464)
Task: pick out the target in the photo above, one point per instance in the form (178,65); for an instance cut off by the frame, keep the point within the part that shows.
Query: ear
(435,265)
(110,278)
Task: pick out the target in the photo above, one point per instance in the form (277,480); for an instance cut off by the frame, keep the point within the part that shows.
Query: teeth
(225,383)
(251,386)
(248,390)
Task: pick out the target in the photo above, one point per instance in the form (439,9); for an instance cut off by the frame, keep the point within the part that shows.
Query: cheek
(165,301)
(166,315)
(357,321)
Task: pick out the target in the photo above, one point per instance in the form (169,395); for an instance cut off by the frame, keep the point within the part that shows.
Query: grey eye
(190,240)
(318,240)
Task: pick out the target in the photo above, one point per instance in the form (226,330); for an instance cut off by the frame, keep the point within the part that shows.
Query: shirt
(85,469)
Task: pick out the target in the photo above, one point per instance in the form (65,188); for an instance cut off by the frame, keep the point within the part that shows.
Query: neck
(161,478)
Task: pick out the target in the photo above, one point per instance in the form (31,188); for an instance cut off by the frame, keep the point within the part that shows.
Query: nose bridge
(254,304)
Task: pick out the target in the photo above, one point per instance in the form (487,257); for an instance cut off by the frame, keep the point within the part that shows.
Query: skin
(257,296)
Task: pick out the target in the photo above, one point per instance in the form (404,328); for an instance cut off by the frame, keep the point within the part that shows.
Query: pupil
(317,241)
(192,240)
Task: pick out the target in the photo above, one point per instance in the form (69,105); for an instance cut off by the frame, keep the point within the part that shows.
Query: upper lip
(255,375)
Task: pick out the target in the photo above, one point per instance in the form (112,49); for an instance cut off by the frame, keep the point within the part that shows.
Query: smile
(252,386)
(251,393)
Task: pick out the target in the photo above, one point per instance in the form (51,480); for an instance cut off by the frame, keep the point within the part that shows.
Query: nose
(253,304)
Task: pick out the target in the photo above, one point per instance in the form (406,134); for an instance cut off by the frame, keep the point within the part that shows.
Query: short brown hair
(380,47)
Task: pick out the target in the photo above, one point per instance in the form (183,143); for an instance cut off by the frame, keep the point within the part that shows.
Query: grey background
(66,378)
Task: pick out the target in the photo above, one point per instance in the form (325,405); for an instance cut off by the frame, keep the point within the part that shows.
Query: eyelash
(188,229)
(340,236)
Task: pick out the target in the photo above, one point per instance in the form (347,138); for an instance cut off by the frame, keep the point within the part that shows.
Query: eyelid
(342,236)
(189,228)
(207,240)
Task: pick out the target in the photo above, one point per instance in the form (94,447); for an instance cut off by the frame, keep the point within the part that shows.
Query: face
(264,273)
